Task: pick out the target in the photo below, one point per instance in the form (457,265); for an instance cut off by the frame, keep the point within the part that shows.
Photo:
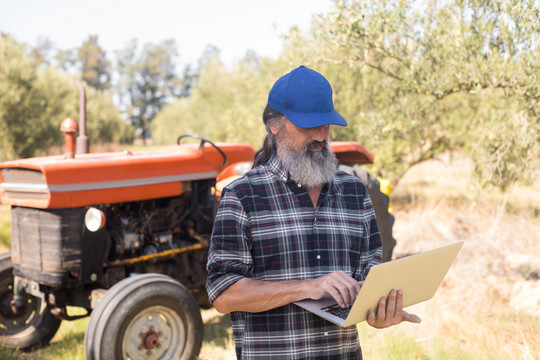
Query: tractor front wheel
(149,316)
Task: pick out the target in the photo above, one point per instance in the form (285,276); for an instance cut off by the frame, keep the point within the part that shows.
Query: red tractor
(123,236)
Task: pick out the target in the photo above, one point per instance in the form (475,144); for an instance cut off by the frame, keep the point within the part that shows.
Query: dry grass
(489,304)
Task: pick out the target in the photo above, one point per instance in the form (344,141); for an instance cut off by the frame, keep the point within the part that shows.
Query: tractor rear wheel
(149,316)
(26,327)
(380,201)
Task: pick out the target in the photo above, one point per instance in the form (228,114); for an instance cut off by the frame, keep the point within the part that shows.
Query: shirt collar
(276,166)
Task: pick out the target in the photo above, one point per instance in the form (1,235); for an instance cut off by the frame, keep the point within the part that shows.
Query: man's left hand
(390,312)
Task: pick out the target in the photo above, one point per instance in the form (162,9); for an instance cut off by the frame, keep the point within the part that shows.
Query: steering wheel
(201,146)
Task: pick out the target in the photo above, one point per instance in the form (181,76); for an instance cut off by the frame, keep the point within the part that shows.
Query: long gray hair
(270,116)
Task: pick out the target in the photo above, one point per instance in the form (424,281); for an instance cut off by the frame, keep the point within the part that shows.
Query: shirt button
(318,257)
(284,178)
(299,185)
(326,333)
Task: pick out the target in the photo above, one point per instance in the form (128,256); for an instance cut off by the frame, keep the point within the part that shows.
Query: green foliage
(224,105)
(25,105)
(5,227)
(415,79)
(34,101)
(148,81)
(95,67)
(104,121)
(40,52)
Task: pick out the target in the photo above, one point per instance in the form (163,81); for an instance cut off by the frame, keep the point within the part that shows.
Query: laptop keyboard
(337,310)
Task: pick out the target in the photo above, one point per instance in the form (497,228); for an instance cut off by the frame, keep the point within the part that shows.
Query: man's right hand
(337,285)
(252,295)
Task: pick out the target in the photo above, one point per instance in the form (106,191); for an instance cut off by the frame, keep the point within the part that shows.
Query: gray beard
(311,169)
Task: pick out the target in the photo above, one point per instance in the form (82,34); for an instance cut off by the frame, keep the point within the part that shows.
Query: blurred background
(444,94)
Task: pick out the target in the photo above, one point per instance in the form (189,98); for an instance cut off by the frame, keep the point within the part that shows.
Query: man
(294,228)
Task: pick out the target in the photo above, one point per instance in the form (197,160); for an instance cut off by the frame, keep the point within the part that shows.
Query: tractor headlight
(94,219)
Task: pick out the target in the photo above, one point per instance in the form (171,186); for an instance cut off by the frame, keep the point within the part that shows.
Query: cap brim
(311,120)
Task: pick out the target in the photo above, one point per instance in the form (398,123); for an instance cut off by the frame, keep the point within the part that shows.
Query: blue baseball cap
(305,98)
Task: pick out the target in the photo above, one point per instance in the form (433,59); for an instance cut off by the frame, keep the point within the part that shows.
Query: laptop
(419,276)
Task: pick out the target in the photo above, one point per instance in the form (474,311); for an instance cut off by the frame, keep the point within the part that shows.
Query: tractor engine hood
(104,178)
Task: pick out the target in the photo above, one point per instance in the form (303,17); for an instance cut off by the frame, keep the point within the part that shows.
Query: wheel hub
(155,333)
(11,309)
(150,340)
(5,306)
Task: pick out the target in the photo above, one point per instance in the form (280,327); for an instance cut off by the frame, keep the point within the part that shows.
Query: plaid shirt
(266,228)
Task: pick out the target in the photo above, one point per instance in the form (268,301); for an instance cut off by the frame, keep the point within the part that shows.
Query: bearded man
(293,228)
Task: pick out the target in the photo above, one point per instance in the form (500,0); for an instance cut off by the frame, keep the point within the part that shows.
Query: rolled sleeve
(229,256)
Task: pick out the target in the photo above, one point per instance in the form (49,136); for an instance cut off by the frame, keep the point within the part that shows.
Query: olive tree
(415,79)
(148,81)
(224,105)
(25,109)
(35,99)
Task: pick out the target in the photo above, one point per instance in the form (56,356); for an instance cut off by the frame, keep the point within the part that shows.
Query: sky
(234,26)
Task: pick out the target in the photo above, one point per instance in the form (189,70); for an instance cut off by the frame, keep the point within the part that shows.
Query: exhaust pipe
(83,142)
